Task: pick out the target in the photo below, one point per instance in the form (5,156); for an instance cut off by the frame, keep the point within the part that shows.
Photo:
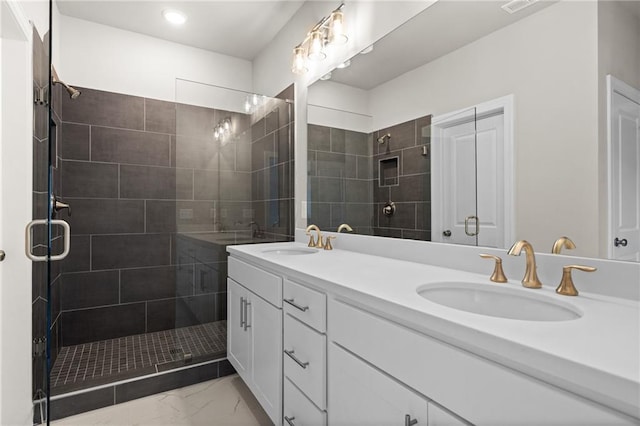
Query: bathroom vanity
(342,337)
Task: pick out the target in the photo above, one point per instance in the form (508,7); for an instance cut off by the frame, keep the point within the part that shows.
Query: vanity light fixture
(174,16)
(328,31)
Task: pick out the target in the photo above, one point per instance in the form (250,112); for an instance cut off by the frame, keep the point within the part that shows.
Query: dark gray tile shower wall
(127,187)
(147,184)
(412,192)
(345,183)
(340,178)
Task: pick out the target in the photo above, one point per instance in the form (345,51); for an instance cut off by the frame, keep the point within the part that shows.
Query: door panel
(625,164)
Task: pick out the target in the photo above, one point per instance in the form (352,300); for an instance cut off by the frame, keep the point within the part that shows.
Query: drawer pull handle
(408,421)
(290,420)
(242,312)
(295,305)
(293,357)
(246,314)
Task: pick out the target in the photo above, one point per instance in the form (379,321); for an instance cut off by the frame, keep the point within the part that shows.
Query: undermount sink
(498,301)
(291,251)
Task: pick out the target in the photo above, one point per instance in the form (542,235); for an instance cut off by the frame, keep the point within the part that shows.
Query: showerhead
(382,139)
(72,91)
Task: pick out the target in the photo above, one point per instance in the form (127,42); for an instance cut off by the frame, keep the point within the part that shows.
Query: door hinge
(39,346)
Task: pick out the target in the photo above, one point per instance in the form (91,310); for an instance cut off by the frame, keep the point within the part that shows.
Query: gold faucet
(345,227)
(566,286)
(530,279)
(562,242)
(312,241)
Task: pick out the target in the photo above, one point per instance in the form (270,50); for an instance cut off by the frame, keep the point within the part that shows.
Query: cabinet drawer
(480,391)
(361,395)
(308,305)
(299,410)
(305,359)
(263,283)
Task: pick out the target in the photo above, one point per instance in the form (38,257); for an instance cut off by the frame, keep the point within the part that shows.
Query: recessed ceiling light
(174,16)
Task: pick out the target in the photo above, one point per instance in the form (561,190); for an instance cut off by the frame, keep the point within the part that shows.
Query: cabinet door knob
(620,242)
(2,255)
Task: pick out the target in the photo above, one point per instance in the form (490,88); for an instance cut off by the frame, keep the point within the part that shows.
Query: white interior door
(15,211)
(624,172)
(471,178)
(489,178)
(459,182)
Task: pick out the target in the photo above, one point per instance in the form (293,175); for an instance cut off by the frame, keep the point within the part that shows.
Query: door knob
(447,233)
(2,255)
(620,242)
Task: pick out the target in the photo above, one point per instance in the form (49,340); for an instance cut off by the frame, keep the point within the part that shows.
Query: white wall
(365,21)
(107,58)
(549,62)
(16,125)
(337,105)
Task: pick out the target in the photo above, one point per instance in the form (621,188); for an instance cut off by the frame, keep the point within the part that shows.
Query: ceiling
(445,26)
(236,28)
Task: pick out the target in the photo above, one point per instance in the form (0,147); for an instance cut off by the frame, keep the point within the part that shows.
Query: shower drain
(186,357)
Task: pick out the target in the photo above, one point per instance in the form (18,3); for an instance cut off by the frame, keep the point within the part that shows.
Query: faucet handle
(327,244)
(312,241)
(498,275)
(566,286)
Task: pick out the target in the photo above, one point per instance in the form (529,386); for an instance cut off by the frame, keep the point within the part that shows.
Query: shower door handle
(29,240)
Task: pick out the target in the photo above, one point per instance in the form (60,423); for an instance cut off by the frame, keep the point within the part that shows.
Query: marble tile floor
(223,401)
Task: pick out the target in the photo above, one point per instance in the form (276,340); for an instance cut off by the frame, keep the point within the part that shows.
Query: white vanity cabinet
(361,395)
(478,390)
(254,332)
(305,352)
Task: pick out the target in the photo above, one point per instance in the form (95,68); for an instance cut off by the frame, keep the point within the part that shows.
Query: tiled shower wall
(344,183)
(146,181)
(272,168)
(412,193)
(340,178)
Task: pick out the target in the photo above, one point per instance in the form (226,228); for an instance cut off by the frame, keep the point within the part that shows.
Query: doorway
(472,175)
(623,108)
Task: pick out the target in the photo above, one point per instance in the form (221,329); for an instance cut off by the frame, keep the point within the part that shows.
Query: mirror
(379,130)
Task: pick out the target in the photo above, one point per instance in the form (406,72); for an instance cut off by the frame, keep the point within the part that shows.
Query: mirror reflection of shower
(73,92)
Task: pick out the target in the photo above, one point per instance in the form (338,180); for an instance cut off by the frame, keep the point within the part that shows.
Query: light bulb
(173,16)
(255,100)
(336,28)
(227,124)
(316,46)
(247,105)
(299,65)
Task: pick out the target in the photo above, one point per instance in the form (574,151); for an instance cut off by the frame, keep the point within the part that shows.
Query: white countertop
(596,356)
